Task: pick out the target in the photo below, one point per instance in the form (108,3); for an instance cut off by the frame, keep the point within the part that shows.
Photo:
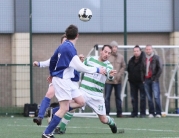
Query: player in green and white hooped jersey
(92,86)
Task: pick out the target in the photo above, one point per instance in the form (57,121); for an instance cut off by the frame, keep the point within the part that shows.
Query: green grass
(22,127)
(11,110)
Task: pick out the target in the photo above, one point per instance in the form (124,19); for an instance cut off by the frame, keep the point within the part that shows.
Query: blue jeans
(152,89)
(117,90)
(135,88)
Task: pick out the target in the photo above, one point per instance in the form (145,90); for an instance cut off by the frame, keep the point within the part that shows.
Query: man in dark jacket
(136,74)
(153,72)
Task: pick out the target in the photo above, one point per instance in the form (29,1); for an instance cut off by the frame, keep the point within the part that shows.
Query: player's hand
(82,57)
(102,70)
(49,79)
(36,63)
(112,73)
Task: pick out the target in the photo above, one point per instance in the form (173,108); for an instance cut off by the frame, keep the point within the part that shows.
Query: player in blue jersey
(50,93)
(62,68)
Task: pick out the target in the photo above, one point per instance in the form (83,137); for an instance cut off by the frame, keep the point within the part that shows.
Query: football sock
(110,121)
(65,120)
(52,125)
(43,106)
(54,110)
(70,108)
(57,108)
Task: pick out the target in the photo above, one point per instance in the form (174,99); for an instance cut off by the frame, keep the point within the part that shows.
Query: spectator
(117,60)
(136,75)
(151,85)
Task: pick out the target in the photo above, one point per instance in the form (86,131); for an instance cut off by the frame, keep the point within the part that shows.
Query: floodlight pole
(30,50)
(125,22)
(125,43)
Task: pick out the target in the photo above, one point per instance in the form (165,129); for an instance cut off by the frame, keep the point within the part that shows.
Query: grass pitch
(23,127)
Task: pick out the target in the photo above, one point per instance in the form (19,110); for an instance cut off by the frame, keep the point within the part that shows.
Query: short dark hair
(71,32)
(63,36)
(149,45)
(137,46)
(110,47)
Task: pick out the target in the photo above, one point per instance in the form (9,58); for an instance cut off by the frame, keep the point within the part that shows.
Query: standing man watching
(151,85)
(117,60)
(136,76)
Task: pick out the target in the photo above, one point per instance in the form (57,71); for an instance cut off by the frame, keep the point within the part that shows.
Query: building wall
(5,46)
(6,16)
(45,44)
(108,16)
(176,16)
(5,71)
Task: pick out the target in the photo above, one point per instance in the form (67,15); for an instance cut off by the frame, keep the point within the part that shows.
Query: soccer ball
(85,14)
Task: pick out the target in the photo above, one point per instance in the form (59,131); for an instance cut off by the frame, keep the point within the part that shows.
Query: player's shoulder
(67,47)
(92,58)
(107,62)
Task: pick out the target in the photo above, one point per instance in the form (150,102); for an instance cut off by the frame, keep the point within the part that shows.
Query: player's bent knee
(80,101)
(80,104)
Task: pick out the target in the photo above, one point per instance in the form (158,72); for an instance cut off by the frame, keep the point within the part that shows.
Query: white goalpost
(168,94)
(169,55)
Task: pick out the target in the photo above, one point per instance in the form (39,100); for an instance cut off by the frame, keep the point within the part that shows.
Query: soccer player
(50,93)
(63,66)
(92,86)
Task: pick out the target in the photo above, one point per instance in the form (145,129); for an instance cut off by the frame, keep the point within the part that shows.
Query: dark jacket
(136,71)
(156,67)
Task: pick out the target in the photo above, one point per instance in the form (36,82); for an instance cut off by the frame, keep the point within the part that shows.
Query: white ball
(85,14)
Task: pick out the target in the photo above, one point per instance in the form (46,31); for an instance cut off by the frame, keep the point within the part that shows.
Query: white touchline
(75,127)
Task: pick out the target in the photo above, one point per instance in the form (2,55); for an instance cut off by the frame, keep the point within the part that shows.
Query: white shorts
(65,89)
(97,104)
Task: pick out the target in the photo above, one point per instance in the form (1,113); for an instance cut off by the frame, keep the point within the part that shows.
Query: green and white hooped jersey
(93,84)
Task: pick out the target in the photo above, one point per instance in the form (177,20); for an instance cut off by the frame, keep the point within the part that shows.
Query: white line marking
(75,127)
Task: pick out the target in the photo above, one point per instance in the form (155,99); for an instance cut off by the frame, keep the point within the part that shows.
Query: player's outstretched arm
(36,63)
(77,65)
(43,64)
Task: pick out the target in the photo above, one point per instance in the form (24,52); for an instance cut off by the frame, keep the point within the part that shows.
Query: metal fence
(17,88)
